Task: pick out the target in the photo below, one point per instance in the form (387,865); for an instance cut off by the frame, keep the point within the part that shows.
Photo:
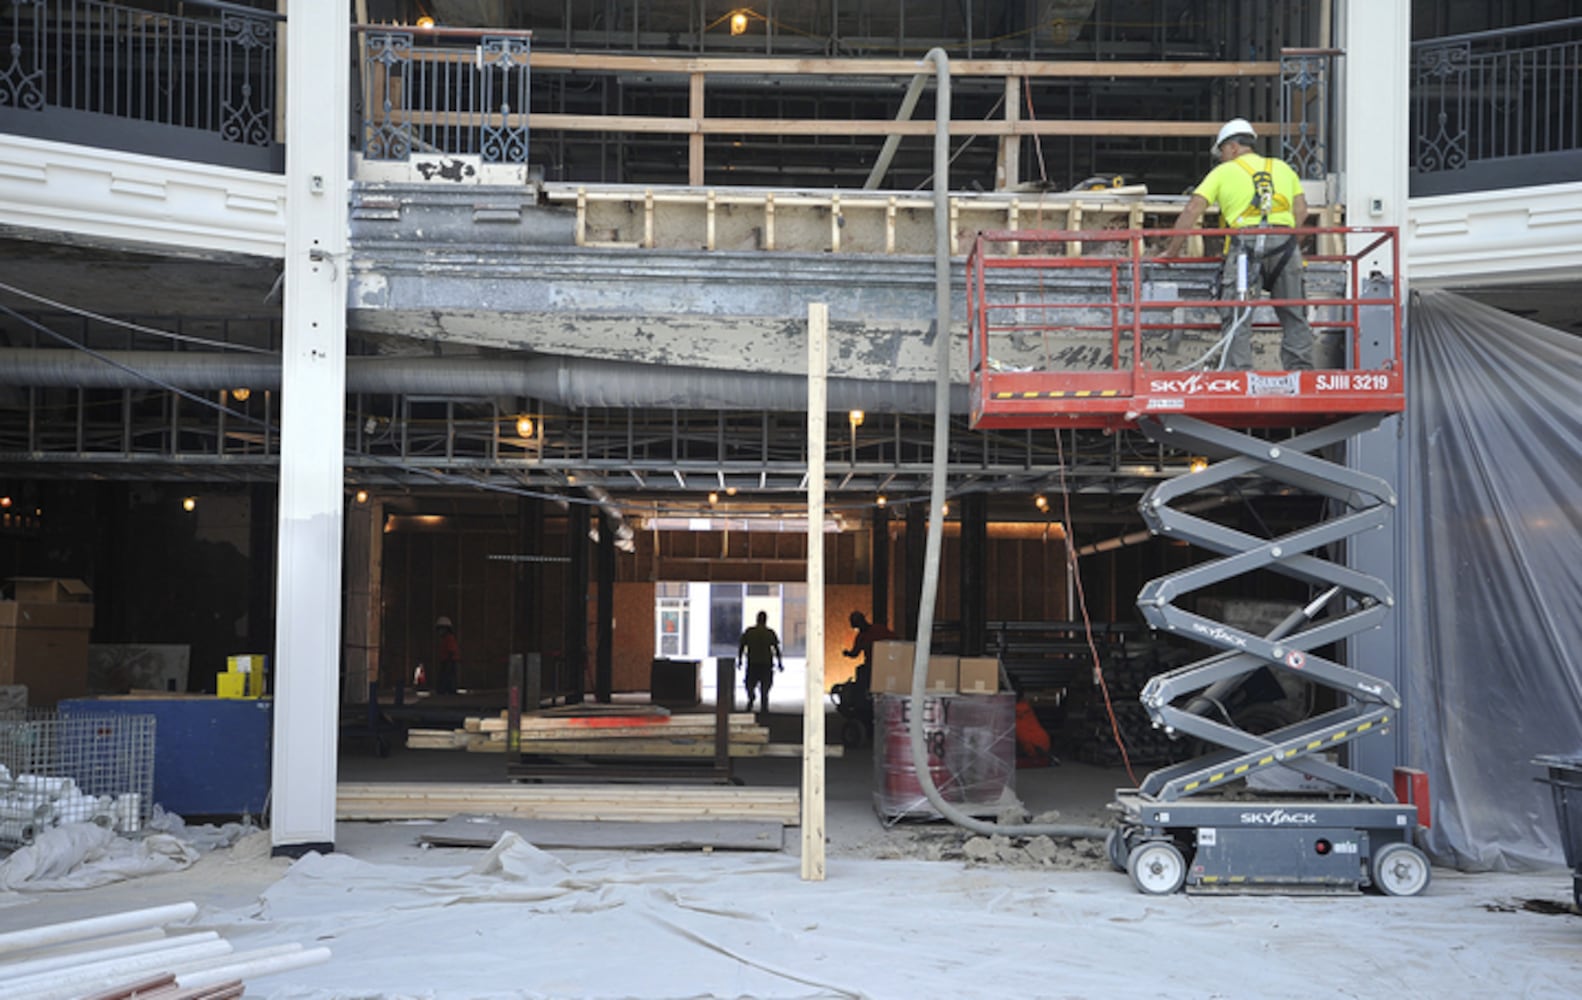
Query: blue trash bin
(1565,781)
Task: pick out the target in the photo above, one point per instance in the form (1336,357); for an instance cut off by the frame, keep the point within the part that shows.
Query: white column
(1376,156)
(313,404)
(1375,140)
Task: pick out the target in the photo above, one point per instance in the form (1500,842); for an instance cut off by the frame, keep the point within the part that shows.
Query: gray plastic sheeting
(1493,588)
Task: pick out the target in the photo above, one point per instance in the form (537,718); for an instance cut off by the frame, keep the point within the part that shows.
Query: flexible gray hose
(936,493)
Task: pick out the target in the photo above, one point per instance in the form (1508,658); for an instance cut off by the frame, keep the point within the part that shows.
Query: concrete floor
(904,913)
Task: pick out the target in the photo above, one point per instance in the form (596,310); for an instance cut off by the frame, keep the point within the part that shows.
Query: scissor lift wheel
(1156,867)
(1117,848)
(1400,870)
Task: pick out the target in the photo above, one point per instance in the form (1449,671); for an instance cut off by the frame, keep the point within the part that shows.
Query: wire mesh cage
(84,769)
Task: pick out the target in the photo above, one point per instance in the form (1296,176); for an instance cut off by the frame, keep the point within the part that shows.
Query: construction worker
(445,678)
(862,645)
(761,646)
(1254,192)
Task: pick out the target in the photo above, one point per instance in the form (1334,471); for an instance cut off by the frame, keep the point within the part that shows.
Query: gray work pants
(1296,340)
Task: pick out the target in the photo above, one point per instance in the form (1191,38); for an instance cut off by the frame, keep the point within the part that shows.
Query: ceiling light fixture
(188,504)
(856,418)
(524,427)
(241,394)
(738,22)
(1041,502)
(425,22)
(1198,465)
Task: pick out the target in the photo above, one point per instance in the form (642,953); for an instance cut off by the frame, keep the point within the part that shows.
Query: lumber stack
(134,954)
(626,803)
(622,733)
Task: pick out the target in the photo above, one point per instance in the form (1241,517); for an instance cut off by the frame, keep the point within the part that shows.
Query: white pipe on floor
(90,927)
(48,963)
(206,964)
(74,980)
(254,968)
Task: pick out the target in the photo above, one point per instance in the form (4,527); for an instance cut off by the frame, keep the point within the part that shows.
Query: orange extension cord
(1087,622)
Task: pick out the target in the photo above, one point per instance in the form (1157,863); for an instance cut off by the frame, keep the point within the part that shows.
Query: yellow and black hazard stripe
(1264,761)
(1061,394)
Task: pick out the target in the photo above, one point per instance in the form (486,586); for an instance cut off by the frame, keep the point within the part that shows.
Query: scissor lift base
(1288,845)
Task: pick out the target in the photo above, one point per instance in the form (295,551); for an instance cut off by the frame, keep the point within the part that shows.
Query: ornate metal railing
(1497,108)
(199,83)
(423,93)
(1306,110)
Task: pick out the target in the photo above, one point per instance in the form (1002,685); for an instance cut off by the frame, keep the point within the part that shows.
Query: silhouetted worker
(762,649)
(862,645)
(449,657)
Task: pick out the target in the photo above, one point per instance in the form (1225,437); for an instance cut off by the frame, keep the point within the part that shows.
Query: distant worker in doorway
(449,657)
(1254,192)
(761,647)
(868,633)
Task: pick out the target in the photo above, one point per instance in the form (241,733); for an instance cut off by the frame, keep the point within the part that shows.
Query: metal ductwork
(576,383)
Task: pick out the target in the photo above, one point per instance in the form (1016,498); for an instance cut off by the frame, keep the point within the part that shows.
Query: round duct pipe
(576,383)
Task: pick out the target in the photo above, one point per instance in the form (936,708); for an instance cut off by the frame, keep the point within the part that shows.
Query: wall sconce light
(738,22)
(361,497)
(189,504)
(425,22)
(1041,502)
(1198,465)
(524,427)
(241,393)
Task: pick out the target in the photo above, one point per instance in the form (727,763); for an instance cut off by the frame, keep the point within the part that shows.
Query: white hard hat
(1236,126)
(442,622)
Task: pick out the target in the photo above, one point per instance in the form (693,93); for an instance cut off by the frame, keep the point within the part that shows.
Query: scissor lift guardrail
(1100,338)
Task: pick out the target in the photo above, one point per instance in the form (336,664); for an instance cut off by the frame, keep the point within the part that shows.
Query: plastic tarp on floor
(1492,595)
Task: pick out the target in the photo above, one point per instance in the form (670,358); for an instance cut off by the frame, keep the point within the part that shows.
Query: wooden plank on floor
(682,835)
(439,800)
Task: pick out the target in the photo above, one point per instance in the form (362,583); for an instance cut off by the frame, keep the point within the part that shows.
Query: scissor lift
(1195,824)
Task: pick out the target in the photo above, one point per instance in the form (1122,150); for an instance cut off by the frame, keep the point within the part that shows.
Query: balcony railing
(196,85)
(425,92)
(1497,109)
(202,80)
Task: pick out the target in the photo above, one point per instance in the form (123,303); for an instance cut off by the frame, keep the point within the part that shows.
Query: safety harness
(1263,203)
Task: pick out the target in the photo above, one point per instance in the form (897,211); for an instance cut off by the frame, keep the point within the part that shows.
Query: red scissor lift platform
(1105,316)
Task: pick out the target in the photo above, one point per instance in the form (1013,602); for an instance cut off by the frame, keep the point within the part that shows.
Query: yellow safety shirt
(1231,187)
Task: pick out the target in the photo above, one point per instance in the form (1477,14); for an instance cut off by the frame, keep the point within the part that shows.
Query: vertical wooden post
(695,140)
(813,699)
(1009,170)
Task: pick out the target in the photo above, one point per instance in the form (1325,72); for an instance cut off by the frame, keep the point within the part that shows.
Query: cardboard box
(892,669)
(44,638)
(229,685)
(979,675)
(49,590)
